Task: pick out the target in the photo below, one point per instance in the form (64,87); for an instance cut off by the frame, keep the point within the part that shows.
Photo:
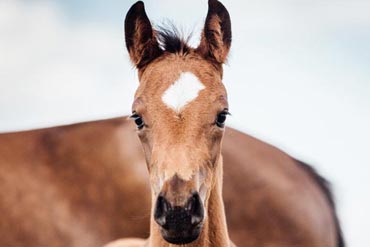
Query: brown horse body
(87,184)
(65,185)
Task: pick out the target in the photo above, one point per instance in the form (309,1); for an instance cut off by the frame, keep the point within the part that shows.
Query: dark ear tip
(213,3)
(216,6)
(138,6)
(136,10)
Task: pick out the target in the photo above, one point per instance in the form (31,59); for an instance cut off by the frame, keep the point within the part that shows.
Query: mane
(172,40)
(325,187)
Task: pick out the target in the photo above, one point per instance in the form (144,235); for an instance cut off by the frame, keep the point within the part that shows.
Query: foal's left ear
(141,42)
(216,37)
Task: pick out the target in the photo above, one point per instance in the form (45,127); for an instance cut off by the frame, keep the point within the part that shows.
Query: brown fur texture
(72,186)
(269,198)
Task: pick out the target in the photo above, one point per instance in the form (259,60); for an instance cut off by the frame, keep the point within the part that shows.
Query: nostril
(161,210)
(196,209)
(179,218)
(195,220)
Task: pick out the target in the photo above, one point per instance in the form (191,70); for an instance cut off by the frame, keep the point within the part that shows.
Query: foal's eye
(221,118)
(138,120)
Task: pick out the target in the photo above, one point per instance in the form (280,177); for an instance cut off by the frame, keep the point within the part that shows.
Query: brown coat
(86,184)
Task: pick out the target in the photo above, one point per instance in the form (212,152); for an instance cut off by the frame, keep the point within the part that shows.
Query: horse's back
(79,185)
(270,199)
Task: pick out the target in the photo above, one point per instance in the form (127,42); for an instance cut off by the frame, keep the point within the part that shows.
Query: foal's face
(180,109)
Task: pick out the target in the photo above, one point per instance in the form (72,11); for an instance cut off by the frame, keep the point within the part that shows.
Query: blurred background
(298,77)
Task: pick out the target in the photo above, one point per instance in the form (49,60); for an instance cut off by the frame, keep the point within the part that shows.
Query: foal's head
(180,110)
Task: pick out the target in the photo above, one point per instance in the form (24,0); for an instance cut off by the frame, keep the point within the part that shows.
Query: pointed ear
(141,42)
(216,37)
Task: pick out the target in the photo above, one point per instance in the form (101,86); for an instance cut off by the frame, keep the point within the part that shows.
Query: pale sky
(298,77)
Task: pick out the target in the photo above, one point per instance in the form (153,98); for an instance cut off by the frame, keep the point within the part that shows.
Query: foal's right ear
(141,42)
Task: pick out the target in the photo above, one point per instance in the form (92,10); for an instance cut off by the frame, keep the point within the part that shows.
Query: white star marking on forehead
(182,91)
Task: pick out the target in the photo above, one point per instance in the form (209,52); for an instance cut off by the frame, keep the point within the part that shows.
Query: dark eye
(221,118)
(138,120)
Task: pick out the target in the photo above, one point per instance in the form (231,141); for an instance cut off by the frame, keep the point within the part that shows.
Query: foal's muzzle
(180,224)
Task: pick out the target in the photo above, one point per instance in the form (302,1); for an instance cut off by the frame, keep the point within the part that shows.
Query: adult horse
(86,184)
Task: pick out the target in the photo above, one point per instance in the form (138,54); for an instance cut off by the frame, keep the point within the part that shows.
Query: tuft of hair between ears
(171,40)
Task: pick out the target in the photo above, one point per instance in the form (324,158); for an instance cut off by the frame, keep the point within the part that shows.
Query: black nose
(180,225)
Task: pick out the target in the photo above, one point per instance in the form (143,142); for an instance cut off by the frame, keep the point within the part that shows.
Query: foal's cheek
(147,148)
(147,154)
(215,151)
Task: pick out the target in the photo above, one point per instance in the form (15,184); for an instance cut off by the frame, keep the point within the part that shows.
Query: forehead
(176,80)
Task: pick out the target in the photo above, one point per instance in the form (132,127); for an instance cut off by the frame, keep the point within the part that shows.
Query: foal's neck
(214,232)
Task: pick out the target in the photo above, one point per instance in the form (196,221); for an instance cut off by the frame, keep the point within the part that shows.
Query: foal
(180,110)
